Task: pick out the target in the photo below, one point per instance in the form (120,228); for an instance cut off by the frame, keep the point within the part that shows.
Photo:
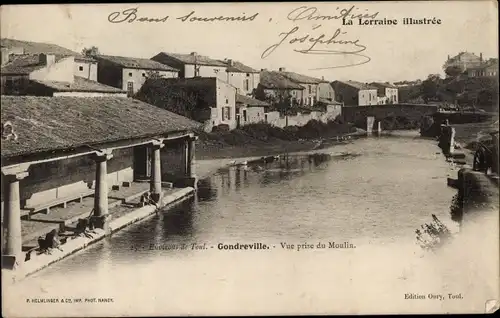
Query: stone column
(155,183)
(379,127)
(452,141)
(101,188)
(191,158)
(12,215)
(369,124)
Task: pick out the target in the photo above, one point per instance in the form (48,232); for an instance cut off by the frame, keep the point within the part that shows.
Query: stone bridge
(395,116)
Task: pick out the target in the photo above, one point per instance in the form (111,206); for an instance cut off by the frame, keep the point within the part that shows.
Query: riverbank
(264,140)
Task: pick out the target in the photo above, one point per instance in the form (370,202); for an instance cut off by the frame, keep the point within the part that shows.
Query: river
(371,195)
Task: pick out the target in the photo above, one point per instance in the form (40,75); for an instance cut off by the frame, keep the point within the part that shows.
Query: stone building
(83,66)
(250,110)
(128,73)
(59,149)
(352,93)
(208,100)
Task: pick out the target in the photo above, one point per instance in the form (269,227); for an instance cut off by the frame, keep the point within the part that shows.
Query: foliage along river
(372,200)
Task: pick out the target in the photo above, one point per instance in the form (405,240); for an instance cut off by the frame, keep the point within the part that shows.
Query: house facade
(352,93)
(61,157)
(211,101)
(244,78)
(386,93)
(487,69)
(49,75)
(193,65)
(275,87)
(312,87)
(250,110)
(84,66)
(129,74)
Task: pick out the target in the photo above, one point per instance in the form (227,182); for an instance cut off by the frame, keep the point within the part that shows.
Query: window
(143,74)
(247,84)
(227,101)
(245,115)
(265,117)
(130,74)
(130,88)
(310,89)
(80,68)
(248,74)
(226,113)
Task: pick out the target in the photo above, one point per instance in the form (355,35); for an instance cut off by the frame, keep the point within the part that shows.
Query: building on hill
(352,93)
(463,61)
(49,75)
(488,68)
(208,100)
(83,66)
(386,93)
(60,149)
(128,73)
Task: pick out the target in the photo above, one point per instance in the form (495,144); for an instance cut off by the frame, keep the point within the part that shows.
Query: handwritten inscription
(131,15)
(312,14)
(322,43)
(302,39)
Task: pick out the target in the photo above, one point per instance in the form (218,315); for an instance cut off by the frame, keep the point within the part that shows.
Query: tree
(430,87)
(453,71)
(92,51)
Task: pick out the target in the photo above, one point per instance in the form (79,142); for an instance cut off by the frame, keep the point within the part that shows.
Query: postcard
(246,158)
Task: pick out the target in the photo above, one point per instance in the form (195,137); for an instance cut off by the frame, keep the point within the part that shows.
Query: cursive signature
(317,45)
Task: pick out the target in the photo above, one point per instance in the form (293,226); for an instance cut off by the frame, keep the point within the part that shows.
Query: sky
(395,52)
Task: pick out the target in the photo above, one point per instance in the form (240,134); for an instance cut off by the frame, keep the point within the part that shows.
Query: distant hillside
(481,92)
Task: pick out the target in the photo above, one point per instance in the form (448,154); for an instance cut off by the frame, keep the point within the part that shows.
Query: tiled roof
(329,102)
(80,85)
(380,84)
(275,80)
(195,59)
(238,67)
(357,85)
(140,63)
(24,64)
(37,47)
(241,99)
(56,123)
(303,79)
(459,55)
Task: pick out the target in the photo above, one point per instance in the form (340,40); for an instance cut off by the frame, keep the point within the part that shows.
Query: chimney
(194,54)
(281,69)
(263,69)
(5,56)
(230,62)
(481,57)
(448,57)
(47,59)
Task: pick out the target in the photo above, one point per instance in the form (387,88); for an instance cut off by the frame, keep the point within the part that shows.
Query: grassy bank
(263,139)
